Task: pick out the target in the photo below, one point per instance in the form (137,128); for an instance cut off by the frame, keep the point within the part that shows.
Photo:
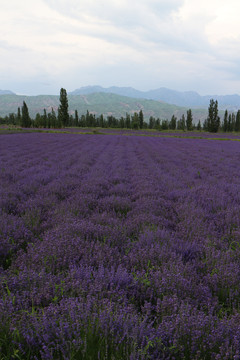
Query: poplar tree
(199,126)
(63,116)
(213,120)
(76,118)
(225,121)
(25,118)
(53,119)
(233,121)
(141,119)
(44,118)
(237,123)
(173,123)
(230,122)
(101,121)
(135,121)
(182,123)
(128,121)
(189,121)
(19,116)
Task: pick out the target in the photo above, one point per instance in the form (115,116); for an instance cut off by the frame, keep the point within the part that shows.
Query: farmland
(119,247)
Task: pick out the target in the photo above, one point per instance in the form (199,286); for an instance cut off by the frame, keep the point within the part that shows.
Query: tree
(199,126)
(173,123)
(121,123)
(151,122)
(157,124)
(205,125)
(37,121)
(25,118)
(76,119)
(237,123)
(230,127)
(82,121)
(165,125)
(63,116)
(12,118)
(181,124)
(189,121)
(141,119)
(128,121)
(53,119)
(71,120)
(225,121)
(44,118)
(49,121)
(101,121)
(135,121)
(213,120)
(19,116)
(233,121)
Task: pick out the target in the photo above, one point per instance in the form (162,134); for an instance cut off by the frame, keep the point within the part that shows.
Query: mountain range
(96,103)
(118,101)
(6,92)
(190,99)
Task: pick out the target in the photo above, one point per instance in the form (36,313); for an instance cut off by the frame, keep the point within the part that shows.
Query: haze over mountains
(180,98)
(6,92)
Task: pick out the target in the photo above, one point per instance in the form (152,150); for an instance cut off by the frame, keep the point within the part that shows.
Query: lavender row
(117,247)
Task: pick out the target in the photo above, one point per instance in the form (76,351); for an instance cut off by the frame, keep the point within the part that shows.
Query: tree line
(62,119)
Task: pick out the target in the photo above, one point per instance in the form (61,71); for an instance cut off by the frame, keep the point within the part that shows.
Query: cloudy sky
(146,44)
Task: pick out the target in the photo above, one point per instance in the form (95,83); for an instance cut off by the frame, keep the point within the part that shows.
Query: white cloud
(183,44)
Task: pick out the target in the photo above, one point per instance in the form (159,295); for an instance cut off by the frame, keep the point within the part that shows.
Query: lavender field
(119,247)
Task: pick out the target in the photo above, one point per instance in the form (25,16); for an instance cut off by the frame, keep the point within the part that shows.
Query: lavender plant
(119,247)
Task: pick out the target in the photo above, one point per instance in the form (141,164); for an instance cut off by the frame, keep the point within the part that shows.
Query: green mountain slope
(189,99)
(97,103)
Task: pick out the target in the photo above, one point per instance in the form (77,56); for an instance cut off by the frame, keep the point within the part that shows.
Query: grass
(11,129)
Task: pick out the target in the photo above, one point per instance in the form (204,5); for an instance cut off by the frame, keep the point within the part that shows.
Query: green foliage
(189,121)
(213,120)
(173,123)
(237,123)
(63,116)
(76,119)
(165,125)
(135,124)
(199,126)
(25,118)
(94,345)
(19,116)
(141,119)
(225,121)
(181,124)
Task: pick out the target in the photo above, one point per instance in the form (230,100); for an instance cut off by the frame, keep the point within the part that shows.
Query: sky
(146,44)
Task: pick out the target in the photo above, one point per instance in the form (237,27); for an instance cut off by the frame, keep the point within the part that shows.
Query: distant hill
(187,99)
(10,103)
(190,99)
(6,92)
(124,91)
(97,103)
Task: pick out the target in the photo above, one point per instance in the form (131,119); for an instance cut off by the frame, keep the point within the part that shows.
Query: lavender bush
(118,247)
